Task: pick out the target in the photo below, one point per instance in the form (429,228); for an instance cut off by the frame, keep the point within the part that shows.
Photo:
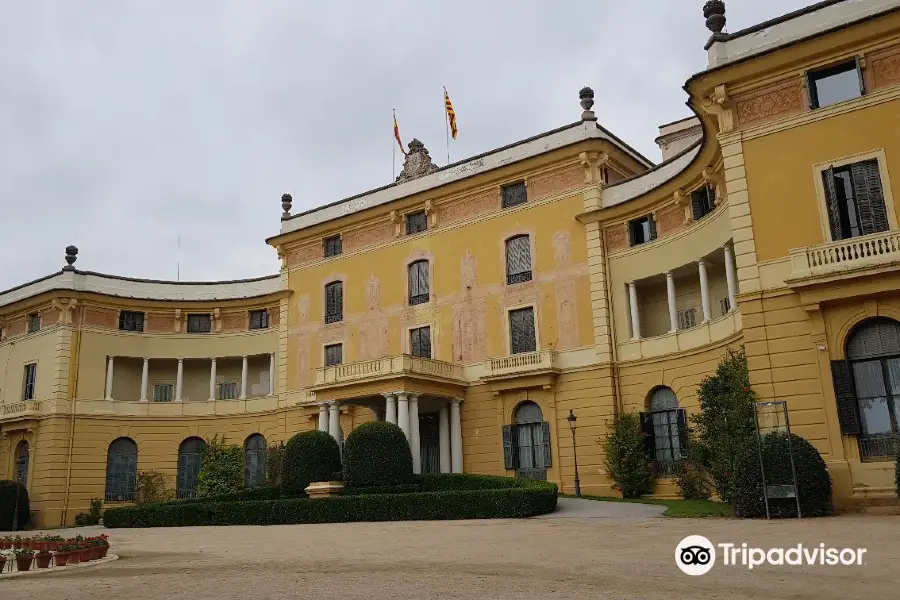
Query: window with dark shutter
(332,246)
(34,323)
(855,200)
(420,342)
(703,202)
(259,319)
(419,292)
(848,414)
(416,222)
(199,324)
(526,443)
(334,355)
(521,329)
(514,194)
(29,380)
(835,84)
(131,321)
(334,302)
(667,429)
(518,259)
(641,231)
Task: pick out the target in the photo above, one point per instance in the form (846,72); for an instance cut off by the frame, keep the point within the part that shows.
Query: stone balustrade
(843,256)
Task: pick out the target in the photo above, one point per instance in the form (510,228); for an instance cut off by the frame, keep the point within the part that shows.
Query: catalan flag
(397,134)
(451,114)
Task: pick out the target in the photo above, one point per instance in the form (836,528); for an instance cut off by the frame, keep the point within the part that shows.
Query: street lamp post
(571,419)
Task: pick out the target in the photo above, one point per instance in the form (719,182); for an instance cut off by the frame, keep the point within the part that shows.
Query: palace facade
(477,304)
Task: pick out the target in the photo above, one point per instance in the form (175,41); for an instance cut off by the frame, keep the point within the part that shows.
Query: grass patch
(676,508)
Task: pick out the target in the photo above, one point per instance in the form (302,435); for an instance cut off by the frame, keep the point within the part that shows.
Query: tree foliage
(627,463)
(377,453)
(221,468)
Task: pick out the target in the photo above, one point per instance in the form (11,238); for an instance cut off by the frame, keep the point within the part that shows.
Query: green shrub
(151,487)
(247,494)
(377,453)
(309,456)
(274,464)
(450,482)
(627,463)
(813,480)
(93,516)
(691,480)
(528,499)
(725,422)
(10,493)
(403,488)
(221,469)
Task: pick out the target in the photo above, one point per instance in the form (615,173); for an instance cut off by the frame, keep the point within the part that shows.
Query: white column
(415,444)
(212,379)
(456,453)
(444,437)
(178,380)
(730,277)
(673,309)
(334,420)
(390,412)
(145,373)
(244,378)
(323,417)
(271,373)
(704,290)
(635,314)
(403,412)
(110,364)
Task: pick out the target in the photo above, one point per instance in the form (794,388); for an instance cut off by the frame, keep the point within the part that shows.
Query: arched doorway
(530,441)
(190,457)
(22,455)
(873,353)
(255,461)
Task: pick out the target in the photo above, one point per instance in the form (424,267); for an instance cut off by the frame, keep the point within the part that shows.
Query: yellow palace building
(476,304)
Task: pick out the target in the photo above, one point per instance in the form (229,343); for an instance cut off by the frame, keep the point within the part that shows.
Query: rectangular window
(420,342)
(855,200)
(259,319)
(34,323)
(227,391)
(131,321)
(687,318)
(418,283)
(332,246)
(518,259)
(416,222)
(514,194)
(163,392)
(641,231)
(521,330)
(334,355)
(199,324)
(334,302)
(703,202)
(29,380)
(835,84)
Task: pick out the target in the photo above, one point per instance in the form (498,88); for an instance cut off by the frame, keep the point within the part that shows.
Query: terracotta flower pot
(74,557)
(23,563)
(95,553)
(61,558)
(43,560)
(2,563)
(103,551)
(85,554)
(38,546)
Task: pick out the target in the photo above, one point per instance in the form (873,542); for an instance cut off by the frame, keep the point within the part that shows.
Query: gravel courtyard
(573,556)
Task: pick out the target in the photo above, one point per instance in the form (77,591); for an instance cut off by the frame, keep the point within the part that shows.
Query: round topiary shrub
(377,453)
(10,493)
(309,456)
(813,480)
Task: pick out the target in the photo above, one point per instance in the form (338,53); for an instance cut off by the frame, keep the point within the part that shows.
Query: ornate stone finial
(714,11)
(587,102)
(71,256)
(418,162)
(286,201)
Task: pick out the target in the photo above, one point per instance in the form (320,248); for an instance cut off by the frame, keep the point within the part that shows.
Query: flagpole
(394,151)
(447,124)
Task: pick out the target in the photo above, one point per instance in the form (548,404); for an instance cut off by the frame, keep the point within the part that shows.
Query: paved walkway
(575,508)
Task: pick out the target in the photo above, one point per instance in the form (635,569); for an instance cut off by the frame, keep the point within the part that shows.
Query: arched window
(22,451)
(190,455)
(419,288)
(666,429)
(121,470)
(518,259)
(526,443)
(334,302)
(870,406)
(255,461)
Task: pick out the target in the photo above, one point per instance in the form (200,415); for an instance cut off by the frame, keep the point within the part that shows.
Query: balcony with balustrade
(866,255)
(20,411)
(387,369)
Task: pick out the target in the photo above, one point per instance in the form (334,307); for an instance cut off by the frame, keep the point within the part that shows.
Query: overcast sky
(125,124)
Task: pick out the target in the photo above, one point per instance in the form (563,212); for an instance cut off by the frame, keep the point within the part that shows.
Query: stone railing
(834,258)
(542,360)
(20,409)
(391,365)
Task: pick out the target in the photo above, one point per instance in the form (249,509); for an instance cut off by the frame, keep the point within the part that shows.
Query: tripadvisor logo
(696,555)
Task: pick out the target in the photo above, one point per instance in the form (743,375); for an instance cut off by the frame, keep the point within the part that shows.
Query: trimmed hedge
(377,454)
(309,456)
(246,495)
(505,498)
(403,488)
(10,491)
(813,480)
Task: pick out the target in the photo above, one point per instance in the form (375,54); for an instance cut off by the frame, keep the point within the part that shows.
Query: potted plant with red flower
(24,556)
(64,555)
(2,562)
(43,558)
(104,545)
(84,552)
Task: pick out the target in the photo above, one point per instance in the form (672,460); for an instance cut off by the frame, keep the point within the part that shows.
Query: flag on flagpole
(397,134)
(451,114)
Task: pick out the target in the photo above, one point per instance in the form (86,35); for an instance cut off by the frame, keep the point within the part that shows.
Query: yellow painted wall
(39,347)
